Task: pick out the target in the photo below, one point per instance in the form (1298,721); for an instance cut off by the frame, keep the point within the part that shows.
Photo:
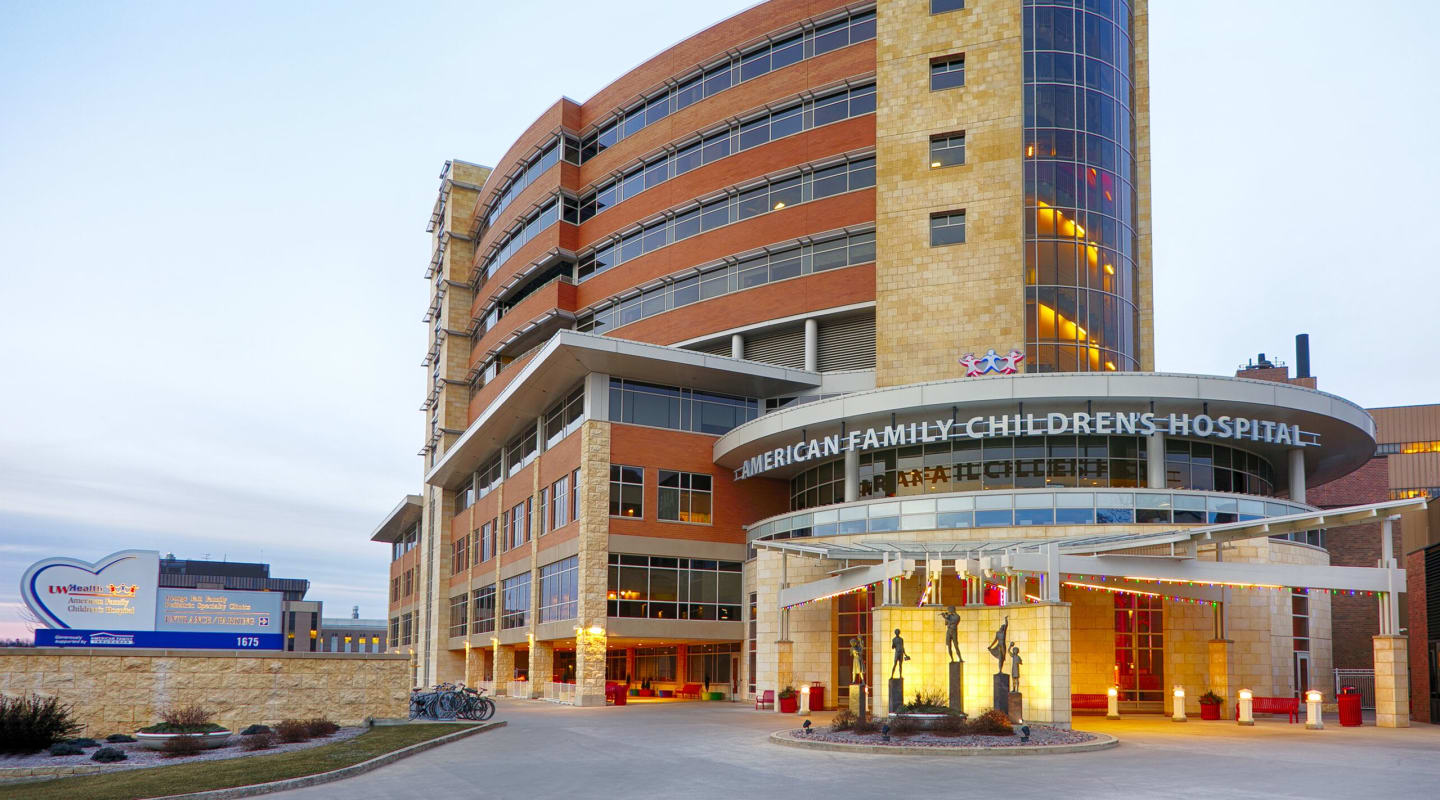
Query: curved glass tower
(1081,283)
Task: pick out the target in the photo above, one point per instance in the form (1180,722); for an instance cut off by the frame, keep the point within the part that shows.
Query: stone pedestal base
(957,686)
(1392,682)
(1015,707)
(897,694)
(1001,696)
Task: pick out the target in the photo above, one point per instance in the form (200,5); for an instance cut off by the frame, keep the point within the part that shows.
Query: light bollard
(804,701)
(1112,703)
(1313,719)
(1246,707)
(1179,715)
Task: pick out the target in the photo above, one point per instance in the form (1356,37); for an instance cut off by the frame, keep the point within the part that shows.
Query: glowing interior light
(1030,151)
(1109,269)
(779,204)
(934,164)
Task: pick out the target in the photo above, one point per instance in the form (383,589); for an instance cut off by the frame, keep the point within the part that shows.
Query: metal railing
(1362,679)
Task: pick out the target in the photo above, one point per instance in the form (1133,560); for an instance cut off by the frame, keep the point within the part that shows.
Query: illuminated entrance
(1140,649)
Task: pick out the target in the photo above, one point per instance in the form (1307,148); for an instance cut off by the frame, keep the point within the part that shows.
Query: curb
(1103,741)
(333,775)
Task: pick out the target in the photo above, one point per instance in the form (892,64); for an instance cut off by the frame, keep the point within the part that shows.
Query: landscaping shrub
(32,723)
(928,702)
(65,749)
(184,719)
(264,740)
(903,726)
(108,755)
(844,720)
(182,746)
(865,727)
(254,729)
(319,727)
(83,741)
(292,730)
(119,738)
(991,723)
(950,725)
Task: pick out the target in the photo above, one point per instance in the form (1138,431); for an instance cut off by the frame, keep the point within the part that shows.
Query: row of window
(405,543)
(788,120)
(402,585)
(562,418)
(557,505)
(1032,462)
(402,630)
(678,408)
(1093,323)
(803,185)
(682,496)
(661,587)
(704,283)
(497,309)
(782,51)
(532,168)
(558,207)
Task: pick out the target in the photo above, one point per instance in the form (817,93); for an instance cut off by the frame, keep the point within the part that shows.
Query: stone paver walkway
(719,750)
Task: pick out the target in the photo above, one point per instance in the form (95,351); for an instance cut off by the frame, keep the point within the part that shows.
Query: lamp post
(1112,703)
(804,700)
(1179,715)
(1246,708)
(1313,720)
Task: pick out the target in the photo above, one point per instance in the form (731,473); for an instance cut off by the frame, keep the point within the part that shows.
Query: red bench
(765,699)
(1090,702)
(1289,706)
(689,690)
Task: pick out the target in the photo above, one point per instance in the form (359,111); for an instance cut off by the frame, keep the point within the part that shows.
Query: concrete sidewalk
(719,750)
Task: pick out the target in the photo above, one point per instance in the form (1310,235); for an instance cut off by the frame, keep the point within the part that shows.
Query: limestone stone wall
(933,304)
(115,692)
(1041,630)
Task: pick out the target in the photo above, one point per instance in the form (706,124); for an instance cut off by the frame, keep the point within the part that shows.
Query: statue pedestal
(1001,697)
(856,701)
(957,686)
(1015,707)
(897,694)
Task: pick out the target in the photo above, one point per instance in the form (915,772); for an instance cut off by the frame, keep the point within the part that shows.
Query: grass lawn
(202,776)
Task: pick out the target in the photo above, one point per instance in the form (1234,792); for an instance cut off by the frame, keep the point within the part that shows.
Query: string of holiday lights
(858,589)
(1229,585)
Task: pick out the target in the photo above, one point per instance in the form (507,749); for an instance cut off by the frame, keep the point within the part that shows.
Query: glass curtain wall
(1081,240)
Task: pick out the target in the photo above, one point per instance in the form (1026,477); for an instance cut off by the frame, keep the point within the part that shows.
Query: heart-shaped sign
(115,593)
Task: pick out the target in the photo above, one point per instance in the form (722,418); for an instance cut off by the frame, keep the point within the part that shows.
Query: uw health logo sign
(992,362)
(115,593)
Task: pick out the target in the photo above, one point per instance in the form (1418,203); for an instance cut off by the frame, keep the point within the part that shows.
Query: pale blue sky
(212,239)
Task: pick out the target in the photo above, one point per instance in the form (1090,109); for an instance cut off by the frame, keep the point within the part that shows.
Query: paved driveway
(719,750)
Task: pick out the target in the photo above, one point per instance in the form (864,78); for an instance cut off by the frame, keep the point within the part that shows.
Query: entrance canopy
(1168,557)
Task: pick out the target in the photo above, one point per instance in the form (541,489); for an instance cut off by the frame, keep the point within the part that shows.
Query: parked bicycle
(451,701)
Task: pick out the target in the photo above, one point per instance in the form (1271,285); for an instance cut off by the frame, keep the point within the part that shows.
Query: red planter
(789,705)
(1209,711)
(647,693)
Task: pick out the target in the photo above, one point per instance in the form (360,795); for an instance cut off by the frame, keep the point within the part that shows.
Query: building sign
(117,602)
(1102,423)
(116,592)
(992,362)
(212,610)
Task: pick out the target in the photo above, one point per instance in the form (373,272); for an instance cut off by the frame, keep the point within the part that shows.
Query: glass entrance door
(1140,650)
(1302,674)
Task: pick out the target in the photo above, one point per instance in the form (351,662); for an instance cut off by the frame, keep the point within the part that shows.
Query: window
(542,519)
(518,525)
(565,416)
(394,589)
(394,630)
(409,582)
(559,589)
(484,612)
(488,477)
(947,228)
(678,408)
(627,491)
(485,544)
(463,499)
(661,587)
(459,614)
(515,593)
(685,497)
(947,150)
(947,73)
(575,495)
(407,623)
(520,451)
(559,503)
(710,663)
(461,557)
(654,664)
(751,629)
(942,6)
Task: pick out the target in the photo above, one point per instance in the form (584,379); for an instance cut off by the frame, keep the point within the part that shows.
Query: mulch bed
(1040,736)
(138,757)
